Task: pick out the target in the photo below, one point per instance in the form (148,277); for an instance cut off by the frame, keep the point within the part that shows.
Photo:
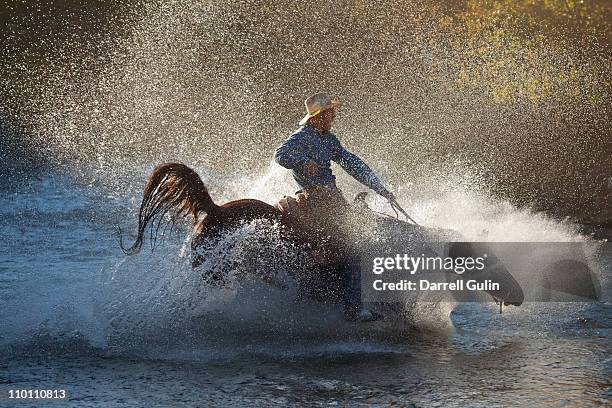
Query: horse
(176,188)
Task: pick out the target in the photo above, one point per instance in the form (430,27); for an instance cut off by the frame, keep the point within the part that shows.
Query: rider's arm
(290,153)
(357,168)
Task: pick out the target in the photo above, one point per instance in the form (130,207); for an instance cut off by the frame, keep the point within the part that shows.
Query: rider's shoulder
(308,132)
(333,138)
(302,132)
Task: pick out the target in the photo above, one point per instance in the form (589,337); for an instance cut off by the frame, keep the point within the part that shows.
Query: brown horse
(175,188)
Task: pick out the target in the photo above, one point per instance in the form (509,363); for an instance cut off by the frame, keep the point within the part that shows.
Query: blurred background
(508,97)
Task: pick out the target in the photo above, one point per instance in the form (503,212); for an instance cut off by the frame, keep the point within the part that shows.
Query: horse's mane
(171,187)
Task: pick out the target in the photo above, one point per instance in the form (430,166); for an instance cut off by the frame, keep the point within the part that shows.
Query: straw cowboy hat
(316,104)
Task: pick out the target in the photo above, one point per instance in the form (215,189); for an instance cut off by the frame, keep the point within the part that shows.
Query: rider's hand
(311,169)
(387,194)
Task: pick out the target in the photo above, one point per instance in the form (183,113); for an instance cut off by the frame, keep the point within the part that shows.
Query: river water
(76,314)
(454,104)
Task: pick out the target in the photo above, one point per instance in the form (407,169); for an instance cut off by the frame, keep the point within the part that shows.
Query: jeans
(352,289)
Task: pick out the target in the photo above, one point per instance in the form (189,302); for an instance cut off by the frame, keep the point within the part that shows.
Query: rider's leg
(353,307)
(352,292)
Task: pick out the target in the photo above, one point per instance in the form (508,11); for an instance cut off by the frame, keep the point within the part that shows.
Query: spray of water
(155,304)
(463,126)
(219,84)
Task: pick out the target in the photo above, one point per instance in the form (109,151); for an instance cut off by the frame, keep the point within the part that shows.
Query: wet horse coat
(177,188)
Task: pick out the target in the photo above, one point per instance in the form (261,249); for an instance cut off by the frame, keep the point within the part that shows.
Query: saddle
(313,204)
(294,207)
(319,213)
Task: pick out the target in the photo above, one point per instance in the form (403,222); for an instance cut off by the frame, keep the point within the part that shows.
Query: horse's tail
(171,187)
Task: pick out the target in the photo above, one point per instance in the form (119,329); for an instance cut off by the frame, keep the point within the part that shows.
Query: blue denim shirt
(307,144)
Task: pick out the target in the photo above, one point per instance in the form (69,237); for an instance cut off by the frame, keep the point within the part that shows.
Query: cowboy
(308,152)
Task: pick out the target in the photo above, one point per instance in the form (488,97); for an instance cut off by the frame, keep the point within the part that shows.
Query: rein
(396,207)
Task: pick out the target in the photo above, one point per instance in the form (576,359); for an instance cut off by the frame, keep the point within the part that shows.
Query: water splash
(218,85)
